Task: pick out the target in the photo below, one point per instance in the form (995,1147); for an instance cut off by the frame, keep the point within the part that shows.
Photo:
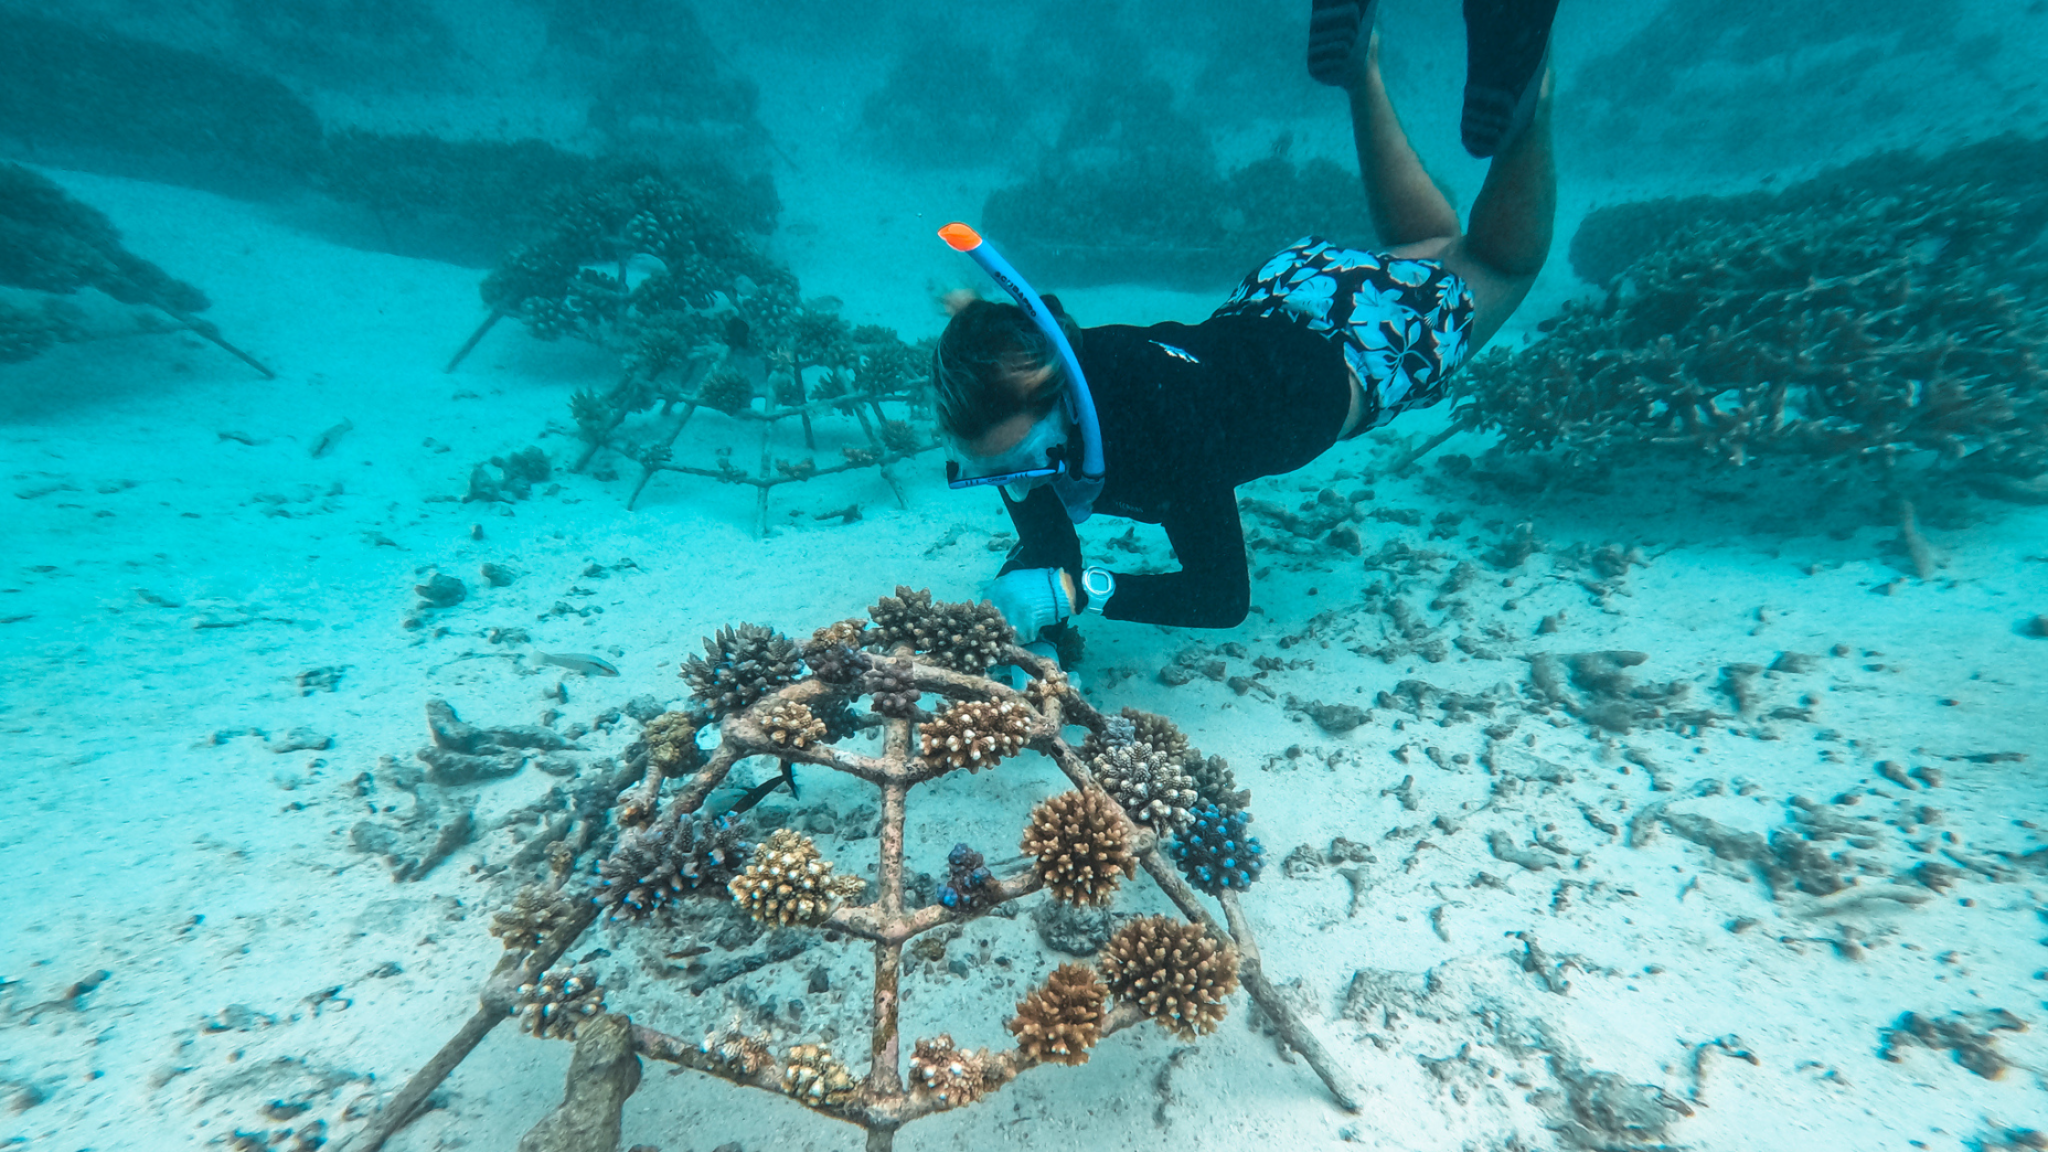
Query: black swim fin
(1507,45)
(1337,30)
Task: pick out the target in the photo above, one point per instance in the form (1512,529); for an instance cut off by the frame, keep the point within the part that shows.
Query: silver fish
(577,662)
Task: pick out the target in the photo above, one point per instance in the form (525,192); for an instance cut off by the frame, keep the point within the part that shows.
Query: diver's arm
(1045,534)
(1213,587)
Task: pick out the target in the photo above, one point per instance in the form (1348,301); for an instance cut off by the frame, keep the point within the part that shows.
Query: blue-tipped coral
(1214,851)
(967,885)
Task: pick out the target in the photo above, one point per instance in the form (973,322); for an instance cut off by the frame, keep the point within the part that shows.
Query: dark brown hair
(982,352)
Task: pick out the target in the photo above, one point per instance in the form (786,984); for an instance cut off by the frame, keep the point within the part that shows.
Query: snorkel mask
(1077,485)
(1038,457)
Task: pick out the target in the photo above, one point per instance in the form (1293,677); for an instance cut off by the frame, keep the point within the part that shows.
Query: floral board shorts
(1403,324)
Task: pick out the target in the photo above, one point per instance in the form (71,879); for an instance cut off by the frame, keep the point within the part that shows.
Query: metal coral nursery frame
(880,1105)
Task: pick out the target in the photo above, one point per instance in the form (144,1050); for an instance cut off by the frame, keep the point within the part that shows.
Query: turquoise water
(1621,783)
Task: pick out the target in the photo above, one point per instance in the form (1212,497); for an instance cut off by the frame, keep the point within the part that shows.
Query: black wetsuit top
(1188,413)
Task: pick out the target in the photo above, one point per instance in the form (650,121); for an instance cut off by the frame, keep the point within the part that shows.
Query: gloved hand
(1030,599)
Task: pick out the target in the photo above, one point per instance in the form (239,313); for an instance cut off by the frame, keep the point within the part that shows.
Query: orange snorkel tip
(960,237)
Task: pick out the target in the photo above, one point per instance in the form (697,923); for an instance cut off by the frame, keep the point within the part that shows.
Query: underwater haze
(492,658)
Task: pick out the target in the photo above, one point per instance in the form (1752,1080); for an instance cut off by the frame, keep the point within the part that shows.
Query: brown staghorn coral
(1162,734)
(1052,686)
(739,666)
(1210,776)
(786,883)
(535,912)
(966,637)
(1061,1019)
(671,740)
(553,1006)
(1176,971)
(813,1075)
(1152,788)
(834,652)
(791,725)
(950,1076)
(1079,840)
(892,689)
(896,618)
(653,865)
(974,735)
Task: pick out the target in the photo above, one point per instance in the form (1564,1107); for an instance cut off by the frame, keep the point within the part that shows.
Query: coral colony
(700,318)
(1133,795)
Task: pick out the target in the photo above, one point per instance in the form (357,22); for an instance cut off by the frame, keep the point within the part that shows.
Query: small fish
(331,437)
(633,271)
(577,662)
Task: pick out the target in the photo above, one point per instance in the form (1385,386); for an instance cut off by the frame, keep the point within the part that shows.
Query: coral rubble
(787,883)
(1176,971)
(739,666)
(1081,847)
(1215,852)
(1061,1019)
(975,734)
(555,1005)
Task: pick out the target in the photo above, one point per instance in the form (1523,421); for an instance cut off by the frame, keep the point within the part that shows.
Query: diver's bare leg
(1511,226)
(1407,207)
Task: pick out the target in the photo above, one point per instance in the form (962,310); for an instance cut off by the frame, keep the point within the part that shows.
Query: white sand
(168,586)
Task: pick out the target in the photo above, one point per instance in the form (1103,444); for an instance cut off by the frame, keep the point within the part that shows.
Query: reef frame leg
(475,338)
(493,1009)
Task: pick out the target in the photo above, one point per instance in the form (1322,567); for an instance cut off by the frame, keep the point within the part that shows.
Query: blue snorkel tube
(1078,487)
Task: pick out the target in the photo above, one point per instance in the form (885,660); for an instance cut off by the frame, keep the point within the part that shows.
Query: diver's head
(995,375)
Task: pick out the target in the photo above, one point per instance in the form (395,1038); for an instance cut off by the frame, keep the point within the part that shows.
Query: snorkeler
(1321,344)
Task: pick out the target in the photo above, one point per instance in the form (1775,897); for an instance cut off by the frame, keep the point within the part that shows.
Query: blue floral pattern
(1404,324)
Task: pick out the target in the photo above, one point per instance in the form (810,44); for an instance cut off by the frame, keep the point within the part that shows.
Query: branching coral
(1886,329)
(791,725)
(787,883)
(969,884)
(975,734)
(961,636)
(739,666)
(891,689)
(1153,789)
(812,1074)
(1061,1019)
(535,913)
(553,1006)
(1079,840)
(952,1077)
(1176,971)
(834,652)
(1210,775)
(653,865)
(736,1050)
(1215,852)
(671,740)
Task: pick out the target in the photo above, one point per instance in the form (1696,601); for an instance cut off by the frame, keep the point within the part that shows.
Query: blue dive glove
(1030,599)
